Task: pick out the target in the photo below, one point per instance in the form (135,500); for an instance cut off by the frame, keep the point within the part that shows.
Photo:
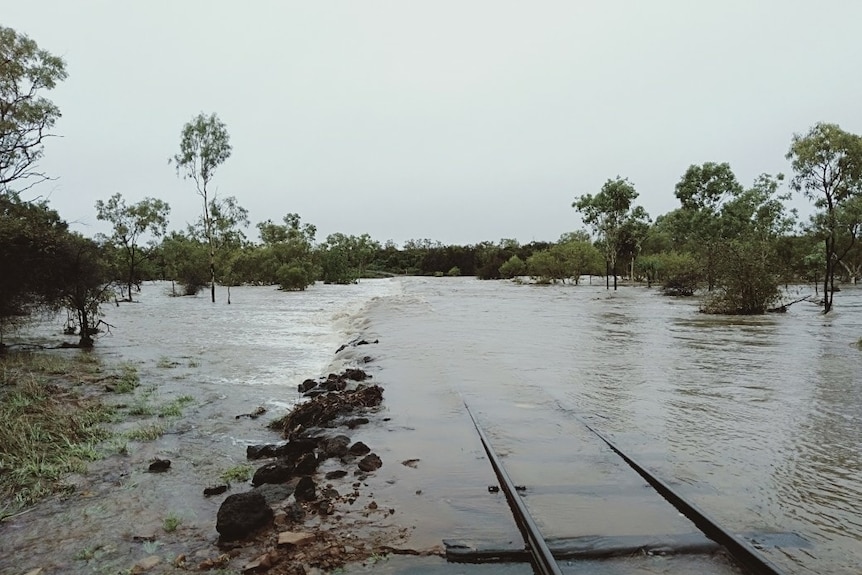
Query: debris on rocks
(323,409)
(254,414)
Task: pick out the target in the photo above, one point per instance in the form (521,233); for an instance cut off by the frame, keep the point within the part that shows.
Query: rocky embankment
(306,511)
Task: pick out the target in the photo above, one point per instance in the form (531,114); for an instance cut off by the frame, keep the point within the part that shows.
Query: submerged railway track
(544,559)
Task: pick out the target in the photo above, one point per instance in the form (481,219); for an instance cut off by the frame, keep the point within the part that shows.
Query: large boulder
(242,513)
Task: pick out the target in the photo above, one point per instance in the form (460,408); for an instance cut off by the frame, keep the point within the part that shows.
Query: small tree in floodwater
(827,162)
(204,146)
(150,215)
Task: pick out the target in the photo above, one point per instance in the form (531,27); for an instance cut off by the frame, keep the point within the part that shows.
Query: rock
(335,385)
(334,446)
(160,465)
(306,490)
(279,471)
(306,465)
(259,565)
(274,494)
(295,512)
(242,513)
(356,422)
(260,451)
(36,571)
(370,462)
(337,474)
(356,375)
(413,463)
(294,537)
(214,490)
(306,385)
(358,448)
(146,564)
(323,409)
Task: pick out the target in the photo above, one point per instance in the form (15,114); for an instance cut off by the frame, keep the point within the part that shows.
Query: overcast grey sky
(459,121)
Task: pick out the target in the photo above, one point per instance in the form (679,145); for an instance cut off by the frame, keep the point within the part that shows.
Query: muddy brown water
(756,420)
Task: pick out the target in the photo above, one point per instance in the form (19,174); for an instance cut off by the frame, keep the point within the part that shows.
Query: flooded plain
(755,419)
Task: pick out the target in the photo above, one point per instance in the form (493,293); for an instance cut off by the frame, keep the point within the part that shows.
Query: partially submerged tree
(204,146)
(827,165)
(611,213)
(131,223)
(26,117)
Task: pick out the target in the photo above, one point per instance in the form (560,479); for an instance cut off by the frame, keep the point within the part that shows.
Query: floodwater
(757,420)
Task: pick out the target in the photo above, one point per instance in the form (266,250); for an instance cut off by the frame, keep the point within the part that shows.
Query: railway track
(544,559)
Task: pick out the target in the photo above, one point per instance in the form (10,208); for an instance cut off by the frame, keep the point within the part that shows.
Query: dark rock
(367,359)
(274,494)
(260,451)
(306,489)
(306,464)
(358,448)
(306,385)
(356,422)
(214,490)
(323,409)
(329,493)
(335,385)
(242,513)
(160,465)
(294,448)
(276,472)
(315,392)
(356,374)
(337,474)
(334,446)
(370,462)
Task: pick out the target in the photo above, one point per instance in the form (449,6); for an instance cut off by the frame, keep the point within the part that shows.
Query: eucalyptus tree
(610,213)
(131,223)
(289,253)
(827,166)
(204,146)
(702,191)
(26,116)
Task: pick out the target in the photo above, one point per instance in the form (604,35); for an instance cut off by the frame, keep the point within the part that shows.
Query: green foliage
(149,432)
(827,166)
(131,224)
(26,117)
(237,473)
(454,271)
(128,379)
(82,283)
(204,146)
(293,277)
(184,260)
(171,523)
(615,219)
(513,267)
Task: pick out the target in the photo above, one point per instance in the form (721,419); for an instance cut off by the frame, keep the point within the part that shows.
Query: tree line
(738,244)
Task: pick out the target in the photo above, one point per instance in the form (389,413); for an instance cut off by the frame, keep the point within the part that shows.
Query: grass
(149,432)
(237,473)
(859,343)
(128,379)
(175,407)
(166,363)
(171,523)
(47,429)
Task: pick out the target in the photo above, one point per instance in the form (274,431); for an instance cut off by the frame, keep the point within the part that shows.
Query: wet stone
(359,448)
(356,422)
(306,385)
(306,465)
(242,513)
(276,493)
(334,446)
(337,474)
(214,490)
(370,463)
(276,472)
(159,465)
(306,490)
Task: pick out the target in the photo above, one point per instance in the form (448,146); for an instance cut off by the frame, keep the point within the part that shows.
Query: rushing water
(758,420)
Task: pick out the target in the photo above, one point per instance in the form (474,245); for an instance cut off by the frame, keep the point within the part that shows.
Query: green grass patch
(237,473)
(171,523)
(128,379)
(175,407)
(47,429)
(149,432)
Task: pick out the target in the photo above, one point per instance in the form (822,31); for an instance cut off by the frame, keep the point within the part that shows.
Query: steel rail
(543,560)
(743,552)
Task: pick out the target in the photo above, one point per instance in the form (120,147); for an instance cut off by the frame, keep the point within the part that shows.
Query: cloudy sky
(459,121)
